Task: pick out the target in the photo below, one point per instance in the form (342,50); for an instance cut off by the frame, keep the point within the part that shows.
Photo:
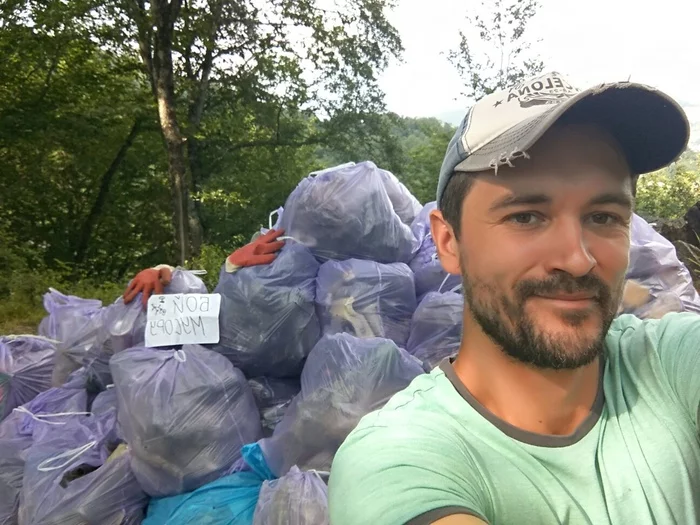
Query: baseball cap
(651,128)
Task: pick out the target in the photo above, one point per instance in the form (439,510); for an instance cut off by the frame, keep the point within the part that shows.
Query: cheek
(497,263)
(612,258)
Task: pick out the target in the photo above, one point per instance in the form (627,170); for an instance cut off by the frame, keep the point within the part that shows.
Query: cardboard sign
(180,319)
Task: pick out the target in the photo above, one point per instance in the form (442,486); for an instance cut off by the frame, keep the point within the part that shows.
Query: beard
(509,325)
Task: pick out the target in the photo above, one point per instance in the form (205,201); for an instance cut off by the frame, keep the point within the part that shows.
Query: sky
(589,42)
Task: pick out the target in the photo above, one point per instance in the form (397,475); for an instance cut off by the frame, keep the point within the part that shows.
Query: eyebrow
(621,199)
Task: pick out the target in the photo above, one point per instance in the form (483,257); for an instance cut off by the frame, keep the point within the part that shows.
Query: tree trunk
(96,210)
(164,87)
(197,223)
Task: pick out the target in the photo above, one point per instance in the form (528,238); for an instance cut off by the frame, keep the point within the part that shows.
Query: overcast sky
(658,45)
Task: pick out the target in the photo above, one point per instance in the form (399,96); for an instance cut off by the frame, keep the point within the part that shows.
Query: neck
(543,401)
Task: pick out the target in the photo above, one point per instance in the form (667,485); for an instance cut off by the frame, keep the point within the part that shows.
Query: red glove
(146,282)
(262,250)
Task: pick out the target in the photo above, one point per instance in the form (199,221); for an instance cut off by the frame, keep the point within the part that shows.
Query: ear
(445,242)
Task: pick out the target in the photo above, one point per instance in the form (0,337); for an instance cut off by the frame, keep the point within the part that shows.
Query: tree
(495,52)
(286,53)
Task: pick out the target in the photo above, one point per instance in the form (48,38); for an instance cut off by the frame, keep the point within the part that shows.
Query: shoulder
(400,461)
(673,330)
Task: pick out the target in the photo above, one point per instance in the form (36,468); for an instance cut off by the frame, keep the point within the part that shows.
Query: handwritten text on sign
(180,319)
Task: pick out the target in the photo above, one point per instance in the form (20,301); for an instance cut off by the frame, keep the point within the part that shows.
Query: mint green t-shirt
(434,451)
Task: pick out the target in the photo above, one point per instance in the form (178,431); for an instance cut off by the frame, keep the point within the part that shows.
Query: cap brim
(650,127)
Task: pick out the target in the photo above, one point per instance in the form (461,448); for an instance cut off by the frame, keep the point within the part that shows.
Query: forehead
(575,162)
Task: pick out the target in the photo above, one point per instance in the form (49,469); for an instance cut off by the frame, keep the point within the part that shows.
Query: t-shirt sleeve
(405,472)
(678,345)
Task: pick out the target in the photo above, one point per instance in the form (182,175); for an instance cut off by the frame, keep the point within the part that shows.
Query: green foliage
(668,193)
(494,51)
(210,259)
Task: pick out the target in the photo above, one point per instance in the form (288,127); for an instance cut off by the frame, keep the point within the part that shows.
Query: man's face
(544,247)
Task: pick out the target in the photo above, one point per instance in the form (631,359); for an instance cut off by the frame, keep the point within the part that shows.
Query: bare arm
(459,519)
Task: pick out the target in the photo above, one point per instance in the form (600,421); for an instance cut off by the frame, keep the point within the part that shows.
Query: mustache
(564,283)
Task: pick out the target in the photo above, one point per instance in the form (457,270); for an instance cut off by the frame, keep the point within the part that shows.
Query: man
(553,411)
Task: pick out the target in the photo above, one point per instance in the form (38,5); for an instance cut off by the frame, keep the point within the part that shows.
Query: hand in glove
(147,282)
(262,250)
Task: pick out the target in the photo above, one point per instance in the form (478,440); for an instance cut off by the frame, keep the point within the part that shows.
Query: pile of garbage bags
(97,428)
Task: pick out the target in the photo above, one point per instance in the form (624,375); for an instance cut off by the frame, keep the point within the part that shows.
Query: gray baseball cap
(651,128)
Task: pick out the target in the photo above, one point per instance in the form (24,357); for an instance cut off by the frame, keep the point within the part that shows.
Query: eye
(605,219)
(524,218)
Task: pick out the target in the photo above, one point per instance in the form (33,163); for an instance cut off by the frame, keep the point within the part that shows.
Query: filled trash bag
(405,205)
(429,275)
(75,323)
(436,330)
(268,323)
(26,364)
(124,326)
(346,213)
(65,313)
(184,413)
(48,410)
(230,500)
(297,498)
(655,265)
(69,477)
(273,396)
(344,378)
(366,299)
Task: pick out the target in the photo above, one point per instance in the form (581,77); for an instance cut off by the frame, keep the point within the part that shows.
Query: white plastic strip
(42,417)
(179,355)
(72,455)
(444,282)
(32,336)
(274,213)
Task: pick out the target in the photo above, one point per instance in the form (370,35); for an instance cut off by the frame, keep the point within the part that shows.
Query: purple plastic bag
(185,415)
(344,378)
(68,478)
(268,323)
(655,265)
(63,310)
(297,498)
(405,205)
(26,364)
(366,299)
(436,329)
(273,396)
(346,213)
(19,430)
(428,271)
(124,326)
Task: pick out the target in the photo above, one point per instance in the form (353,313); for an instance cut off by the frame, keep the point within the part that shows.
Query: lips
(569,297)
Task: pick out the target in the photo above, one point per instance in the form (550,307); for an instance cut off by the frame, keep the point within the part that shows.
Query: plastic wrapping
(185,415)
(230,500)
(344,378)
(124,326)
(346,213)
(366,299)
(68,478)
(26,364)
(405,205)
(75,323)
(427,269)
(297,498)
(17,434)
(436,329)
(268,322)
(273,396)
(655,265)
(63,310)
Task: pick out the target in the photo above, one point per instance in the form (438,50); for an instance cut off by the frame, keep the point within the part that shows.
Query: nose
(568,251)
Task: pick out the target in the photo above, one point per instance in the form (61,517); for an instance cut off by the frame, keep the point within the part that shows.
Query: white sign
(180,319)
